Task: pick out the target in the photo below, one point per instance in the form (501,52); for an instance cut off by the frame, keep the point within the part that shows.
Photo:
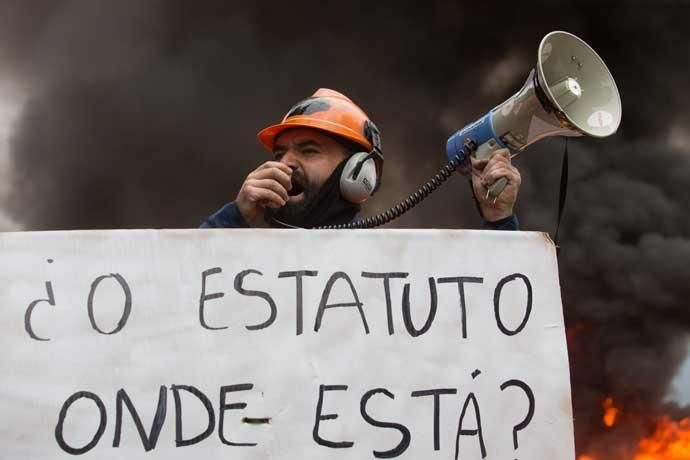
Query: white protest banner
(282,344)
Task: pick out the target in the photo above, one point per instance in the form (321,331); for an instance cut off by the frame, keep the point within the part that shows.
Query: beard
(295,213)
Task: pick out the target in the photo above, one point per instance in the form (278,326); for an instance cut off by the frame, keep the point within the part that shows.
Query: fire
(670,441)
(610,412)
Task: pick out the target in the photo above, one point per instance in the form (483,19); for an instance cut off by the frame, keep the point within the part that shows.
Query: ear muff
(360,178)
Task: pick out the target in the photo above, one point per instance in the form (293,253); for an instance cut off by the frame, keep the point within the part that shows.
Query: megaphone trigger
(495,189)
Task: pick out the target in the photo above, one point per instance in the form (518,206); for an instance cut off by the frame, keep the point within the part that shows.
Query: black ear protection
(360,178)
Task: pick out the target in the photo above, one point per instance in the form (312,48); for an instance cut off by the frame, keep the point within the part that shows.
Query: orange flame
(610,412)
(670,441)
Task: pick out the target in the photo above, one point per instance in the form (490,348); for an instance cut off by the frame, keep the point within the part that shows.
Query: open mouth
(296,189)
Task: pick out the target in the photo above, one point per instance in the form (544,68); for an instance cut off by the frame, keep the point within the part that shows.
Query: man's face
(312,156)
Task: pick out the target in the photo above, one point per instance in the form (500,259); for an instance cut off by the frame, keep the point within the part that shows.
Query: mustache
(300,183)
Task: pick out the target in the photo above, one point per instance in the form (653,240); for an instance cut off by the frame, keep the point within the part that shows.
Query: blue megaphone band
(479,132)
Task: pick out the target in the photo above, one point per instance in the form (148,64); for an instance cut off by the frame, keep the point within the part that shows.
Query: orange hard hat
(328,111)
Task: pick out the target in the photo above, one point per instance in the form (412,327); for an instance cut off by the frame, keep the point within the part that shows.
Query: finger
(270,184)
(476,182)
(498,170)
(478,164)
(273,174)
(498,160)
(492,176)
(476,175)
(478,187)
(276,164)
(501,153)
(265,197)
(494,166)
(271,204)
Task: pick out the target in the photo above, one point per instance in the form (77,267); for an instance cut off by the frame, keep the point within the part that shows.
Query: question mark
(530,412)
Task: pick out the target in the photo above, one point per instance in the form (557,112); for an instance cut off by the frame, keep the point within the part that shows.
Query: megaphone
(570,93)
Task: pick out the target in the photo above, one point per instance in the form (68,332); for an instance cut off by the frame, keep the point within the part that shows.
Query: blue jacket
(229,217)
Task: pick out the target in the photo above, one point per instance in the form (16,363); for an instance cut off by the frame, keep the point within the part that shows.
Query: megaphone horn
(570,92)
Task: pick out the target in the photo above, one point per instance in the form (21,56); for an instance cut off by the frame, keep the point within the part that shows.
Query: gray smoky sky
(143,113)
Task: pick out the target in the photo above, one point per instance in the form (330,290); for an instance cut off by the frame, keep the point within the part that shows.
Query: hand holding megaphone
(489,174)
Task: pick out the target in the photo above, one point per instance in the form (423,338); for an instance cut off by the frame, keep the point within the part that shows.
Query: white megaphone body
(570,92)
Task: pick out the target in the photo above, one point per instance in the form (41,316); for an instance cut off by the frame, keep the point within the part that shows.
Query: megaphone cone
(597,110)
(570,92)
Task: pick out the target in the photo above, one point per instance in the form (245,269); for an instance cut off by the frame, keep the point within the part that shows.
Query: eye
(278,155)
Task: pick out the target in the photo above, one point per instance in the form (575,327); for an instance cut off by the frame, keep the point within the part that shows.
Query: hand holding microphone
(266,186)
(486,173)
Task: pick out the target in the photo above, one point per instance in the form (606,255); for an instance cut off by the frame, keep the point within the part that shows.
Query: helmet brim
(267,136)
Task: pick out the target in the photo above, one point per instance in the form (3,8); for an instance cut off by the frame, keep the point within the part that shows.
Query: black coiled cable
(410,202)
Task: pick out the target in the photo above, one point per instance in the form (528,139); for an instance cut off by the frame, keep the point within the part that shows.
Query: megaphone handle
(484,152)
(496,188)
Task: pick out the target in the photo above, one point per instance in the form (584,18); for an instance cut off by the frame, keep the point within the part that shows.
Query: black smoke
(144,114)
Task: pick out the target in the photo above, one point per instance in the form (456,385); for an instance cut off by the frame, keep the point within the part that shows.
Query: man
(303,185)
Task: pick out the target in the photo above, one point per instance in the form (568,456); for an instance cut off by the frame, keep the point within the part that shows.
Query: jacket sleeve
(507,223)
(226,217)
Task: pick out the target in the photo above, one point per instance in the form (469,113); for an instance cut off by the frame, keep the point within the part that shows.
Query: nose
(290,159)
